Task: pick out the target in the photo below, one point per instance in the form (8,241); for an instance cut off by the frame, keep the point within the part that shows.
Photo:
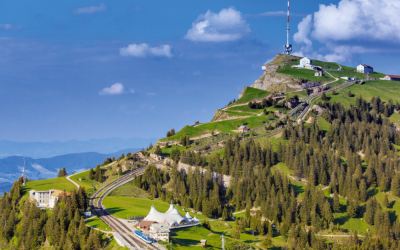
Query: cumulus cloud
(144,50)
(90,9)
(227,25)
(116,89)
(350,27)
(8,26)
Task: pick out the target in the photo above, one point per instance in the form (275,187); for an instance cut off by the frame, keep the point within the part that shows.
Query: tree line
(25,226)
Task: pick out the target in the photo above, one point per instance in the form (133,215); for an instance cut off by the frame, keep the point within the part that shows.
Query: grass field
(304,74)
(323,124)
(222,126)
(251,94)
(124,207)
(129,190)
(384,89)
(47,184)
(97,223)
(352,72)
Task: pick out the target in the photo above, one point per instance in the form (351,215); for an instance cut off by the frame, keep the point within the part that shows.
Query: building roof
(170,217)
(58,193)
(145,223)
(393,76)
(242,127)
(366,66)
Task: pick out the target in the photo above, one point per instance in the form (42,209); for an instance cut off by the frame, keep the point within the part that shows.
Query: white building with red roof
(362,68)
(391,78)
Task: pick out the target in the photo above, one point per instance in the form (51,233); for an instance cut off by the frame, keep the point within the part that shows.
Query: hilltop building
(362,68)
(171,218)
(305,62)
(391,78)
(46,199)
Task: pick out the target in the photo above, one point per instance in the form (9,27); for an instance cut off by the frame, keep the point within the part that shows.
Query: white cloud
(8,26)
(151,93)
(351,27)
(144,50)
(227,25)
(90,9)
(302,36)
(116,89)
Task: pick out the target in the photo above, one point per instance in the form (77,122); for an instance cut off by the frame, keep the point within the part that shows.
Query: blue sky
(100,69)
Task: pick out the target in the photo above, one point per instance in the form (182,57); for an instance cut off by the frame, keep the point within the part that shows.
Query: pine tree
(336,203)
(386,201)
(91,174)
(363,191)
(395,187)
(225,214)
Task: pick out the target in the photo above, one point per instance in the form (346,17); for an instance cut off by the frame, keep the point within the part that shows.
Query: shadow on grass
(392,216)
(341,220)
(298,189)
(115,210)
(392,203)
(372,192)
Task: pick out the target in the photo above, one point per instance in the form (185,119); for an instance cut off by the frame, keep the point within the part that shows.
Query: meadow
(60,183)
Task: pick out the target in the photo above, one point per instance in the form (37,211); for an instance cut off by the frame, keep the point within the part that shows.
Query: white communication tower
(23,174)
(287,46)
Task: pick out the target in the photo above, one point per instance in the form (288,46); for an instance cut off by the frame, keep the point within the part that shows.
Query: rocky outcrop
(273,81)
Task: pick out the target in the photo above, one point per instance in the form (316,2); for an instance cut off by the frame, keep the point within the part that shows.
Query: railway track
(126,233)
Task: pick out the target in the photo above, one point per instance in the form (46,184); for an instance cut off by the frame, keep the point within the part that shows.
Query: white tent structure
(172,218)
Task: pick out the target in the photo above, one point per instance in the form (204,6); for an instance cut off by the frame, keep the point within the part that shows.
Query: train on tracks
(143,237)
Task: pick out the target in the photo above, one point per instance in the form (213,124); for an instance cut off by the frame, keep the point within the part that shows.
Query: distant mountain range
(50,149)
(11,167)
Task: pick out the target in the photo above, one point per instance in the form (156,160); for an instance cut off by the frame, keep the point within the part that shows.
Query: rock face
(273,81)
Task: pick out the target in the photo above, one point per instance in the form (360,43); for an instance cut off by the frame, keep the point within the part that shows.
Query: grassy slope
(384,89)
(193,235)
(129,190)
(88,184)
(222,126)
(44,185)
(97,223)
(122,207)
(304,74)
(251,94)
(352,72)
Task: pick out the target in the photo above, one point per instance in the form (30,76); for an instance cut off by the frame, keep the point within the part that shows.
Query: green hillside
(60,183)
(384,89)
(251,94)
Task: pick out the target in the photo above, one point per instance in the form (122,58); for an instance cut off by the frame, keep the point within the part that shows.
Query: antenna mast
(288,47)
(23,174)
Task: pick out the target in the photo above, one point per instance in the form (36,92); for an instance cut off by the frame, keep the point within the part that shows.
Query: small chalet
(319,73)
(391,78)
(362,68)
(243,129)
